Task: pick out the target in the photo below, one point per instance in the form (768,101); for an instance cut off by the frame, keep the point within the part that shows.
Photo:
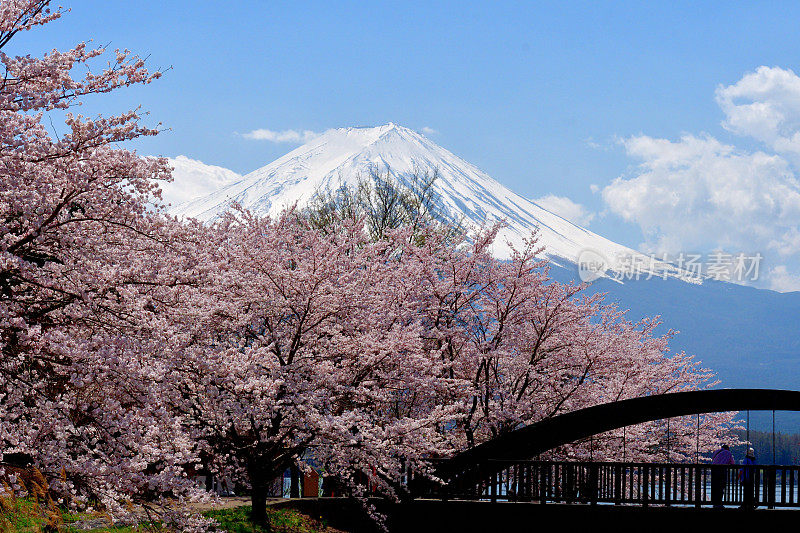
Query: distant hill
(750,337)
(787,447)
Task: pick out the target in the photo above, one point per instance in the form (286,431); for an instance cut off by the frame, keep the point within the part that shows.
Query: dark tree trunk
(259,479)
(258,499)
(294,490)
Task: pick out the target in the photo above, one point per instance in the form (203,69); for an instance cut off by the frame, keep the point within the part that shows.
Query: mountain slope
(748,336)
(341,156)
(193,178)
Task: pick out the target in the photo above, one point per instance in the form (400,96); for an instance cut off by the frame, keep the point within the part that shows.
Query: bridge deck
(429,516)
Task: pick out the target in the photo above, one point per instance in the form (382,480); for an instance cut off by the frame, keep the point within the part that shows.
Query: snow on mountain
(339,157)
(193,178)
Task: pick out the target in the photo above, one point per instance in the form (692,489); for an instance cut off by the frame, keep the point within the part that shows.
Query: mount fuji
(747,335)
(342,156)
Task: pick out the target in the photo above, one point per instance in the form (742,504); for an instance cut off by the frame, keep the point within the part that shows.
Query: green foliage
(26,515)
(237,520)
(20,515)
(33,514)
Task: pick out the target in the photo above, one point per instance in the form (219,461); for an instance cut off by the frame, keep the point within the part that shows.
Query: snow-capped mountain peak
(343,156)
(193,179)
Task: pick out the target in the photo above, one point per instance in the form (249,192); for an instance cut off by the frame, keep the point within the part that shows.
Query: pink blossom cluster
(84,267)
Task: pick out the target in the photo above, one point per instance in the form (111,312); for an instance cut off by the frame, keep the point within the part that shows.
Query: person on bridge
(747,476)
(719,473)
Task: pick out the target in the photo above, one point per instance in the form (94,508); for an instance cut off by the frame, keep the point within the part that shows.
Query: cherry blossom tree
(86,264)
(532,348)
(309,342)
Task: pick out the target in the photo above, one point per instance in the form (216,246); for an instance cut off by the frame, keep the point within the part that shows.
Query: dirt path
(229,502)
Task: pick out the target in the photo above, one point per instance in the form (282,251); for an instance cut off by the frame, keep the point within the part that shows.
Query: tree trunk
(294,490)
(258,499)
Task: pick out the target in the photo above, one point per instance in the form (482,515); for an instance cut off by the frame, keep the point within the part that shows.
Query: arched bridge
(534,439)
(502,468)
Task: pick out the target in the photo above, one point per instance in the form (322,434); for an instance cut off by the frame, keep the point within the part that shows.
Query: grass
(21,515)
(24,515)
(237,520)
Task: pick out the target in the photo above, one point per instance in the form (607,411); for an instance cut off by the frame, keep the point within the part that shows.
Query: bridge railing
(621,483)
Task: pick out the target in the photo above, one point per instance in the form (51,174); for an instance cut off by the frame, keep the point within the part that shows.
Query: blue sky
(548,98)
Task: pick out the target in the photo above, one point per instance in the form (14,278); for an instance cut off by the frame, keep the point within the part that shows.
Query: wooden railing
(619,483)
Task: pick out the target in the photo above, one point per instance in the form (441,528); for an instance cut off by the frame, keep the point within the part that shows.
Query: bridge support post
(543,483)
(698,485)
(645,485)
(771,480)
(528,492)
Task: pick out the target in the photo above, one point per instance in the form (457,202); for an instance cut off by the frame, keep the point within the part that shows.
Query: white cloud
(764,105)
(285,136)
(566,208)
(698,193)
(782,281)
(591,143)
(788,243)
(427,130)
(193,178)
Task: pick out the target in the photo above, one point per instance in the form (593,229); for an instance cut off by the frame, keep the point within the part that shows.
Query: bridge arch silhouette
(534,439)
